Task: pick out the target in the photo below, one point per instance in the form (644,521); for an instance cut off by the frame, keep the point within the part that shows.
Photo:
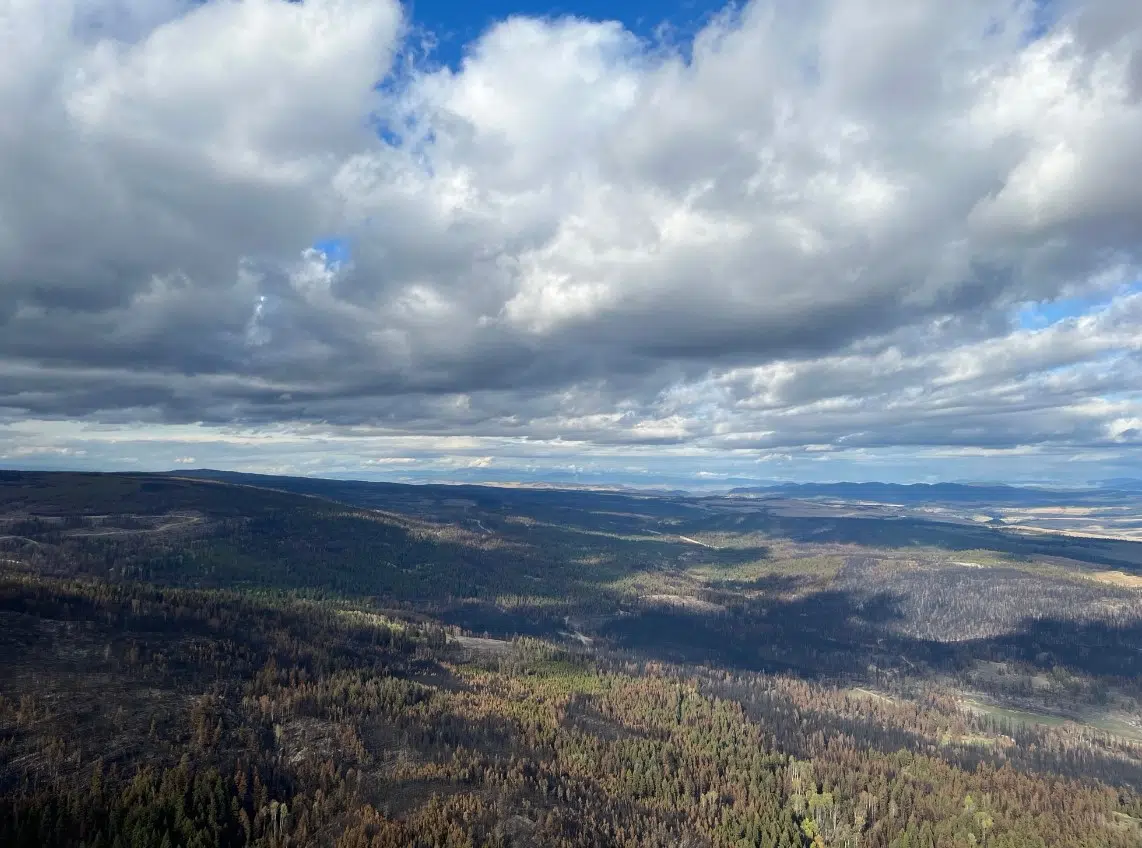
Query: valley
(396,663)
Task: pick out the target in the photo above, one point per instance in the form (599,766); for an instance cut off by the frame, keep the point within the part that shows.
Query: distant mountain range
(915,493)
(911,494)
(1122,484)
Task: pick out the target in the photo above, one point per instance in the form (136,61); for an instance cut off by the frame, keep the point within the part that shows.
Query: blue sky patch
(1035,316)
(336,250)
(1042,19)
(456,24)
(1045,313)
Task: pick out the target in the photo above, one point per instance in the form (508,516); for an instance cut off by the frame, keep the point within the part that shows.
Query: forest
(229,660)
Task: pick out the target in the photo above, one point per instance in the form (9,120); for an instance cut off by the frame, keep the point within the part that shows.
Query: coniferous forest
(216,661)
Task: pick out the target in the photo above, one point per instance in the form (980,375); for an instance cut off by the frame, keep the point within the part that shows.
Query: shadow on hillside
(842,635)
(768,584)
(905,533)
(908,533)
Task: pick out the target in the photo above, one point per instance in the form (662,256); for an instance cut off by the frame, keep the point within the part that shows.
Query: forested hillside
(191,662)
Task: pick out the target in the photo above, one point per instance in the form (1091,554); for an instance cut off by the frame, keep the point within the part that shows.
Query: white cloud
(807,236)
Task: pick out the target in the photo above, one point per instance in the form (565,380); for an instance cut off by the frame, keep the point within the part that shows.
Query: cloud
(813,226)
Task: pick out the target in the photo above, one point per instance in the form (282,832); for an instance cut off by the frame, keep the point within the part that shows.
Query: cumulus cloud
(810,227)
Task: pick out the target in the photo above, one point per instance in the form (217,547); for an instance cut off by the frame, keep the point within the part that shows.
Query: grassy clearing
(1023,718)
(868,693)
(1117,727)
(1118,578)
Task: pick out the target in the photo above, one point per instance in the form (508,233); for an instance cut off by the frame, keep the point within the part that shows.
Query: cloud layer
(809,231)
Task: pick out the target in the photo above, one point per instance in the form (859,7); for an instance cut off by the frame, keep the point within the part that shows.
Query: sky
(669,244)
